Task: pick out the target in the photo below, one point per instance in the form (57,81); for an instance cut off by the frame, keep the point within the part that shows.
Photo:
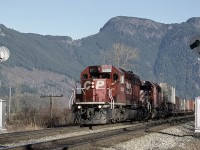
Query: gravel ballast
(178,137)
(61,136)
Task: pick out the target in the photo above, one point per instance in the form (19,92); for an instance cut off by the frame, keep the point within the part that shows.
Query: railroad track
(16,137)
(84,141)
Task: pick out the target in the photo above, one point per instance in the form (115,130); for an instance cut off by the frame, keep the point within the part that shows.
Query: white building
(2,114)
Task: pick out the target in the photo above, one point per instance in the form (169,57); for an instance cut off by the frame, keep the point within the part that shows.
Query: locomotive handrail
(73,96)
(149,106)
(111,98)
(112,104)
(71,100)
(82,89)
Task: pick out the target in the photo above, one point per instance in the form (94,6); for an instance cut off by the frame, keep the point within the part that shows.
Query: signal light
(195,44)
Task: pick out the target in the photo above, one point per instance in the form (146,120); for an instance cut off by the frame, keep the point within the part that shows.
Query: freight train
(108,95)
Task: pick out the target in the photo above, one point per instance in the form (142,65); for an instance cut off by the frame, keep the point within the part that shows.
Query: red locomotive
(108,94)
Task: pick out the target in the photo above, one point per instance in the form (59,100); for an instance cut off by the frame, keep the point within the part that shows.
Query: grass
(39,119)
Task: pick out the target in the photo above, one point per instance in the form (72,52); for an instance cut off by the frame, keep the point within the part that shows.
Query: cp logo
(99,85)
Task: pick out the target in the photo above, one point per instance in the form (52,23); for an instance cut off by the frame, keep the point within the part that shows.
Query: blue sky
(82,18)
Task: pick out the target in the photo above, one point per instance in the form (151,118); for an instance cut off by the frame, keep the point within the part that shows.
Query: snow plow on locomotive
(108,95)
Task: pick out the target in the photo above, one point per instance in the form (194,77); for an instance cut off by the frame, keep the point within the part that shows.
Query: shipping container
(182,106)
(156,95)
(168,93)
(187,103)
(191,105)
(177,105)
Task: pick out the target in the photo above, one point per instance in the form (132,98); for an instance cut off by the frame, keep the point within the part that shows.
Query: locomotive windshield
(95,73)
(100,75)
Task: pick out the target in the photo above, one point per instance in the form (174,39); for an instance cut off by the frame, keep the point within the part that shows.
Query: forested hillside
(42,52)
(163,52)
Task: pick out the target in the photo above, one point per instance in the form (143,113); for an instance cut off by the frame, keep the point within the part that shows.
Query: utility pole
(51,101)
(9,104)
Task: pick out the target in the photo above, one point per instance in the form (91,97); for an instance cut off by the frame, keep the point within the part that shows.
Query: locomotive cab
(96,82)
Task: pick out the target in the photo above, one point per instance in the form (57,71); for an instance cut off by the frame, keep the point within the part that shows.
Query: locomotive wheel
(118,120)
(113,121)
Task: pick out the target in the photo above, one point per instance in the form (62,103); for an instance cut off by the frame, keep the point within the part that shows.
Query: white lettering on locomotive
(87,85)
(99,85)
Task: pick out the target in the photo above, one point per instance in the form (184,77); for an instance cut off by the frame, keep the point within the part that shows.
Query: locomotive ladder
(112,103)
(111,99)
(73,96)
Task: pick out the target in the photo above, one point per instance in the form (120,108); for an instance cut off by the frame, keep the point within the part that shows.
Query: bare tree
(119,56)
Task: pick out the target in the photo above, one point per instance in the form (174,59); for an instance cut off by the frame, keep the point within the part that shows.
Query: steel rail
(87,139)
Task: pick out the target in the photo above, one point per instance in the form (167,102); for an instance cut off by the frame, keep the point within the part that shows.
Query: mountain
(42,52)
(164,53)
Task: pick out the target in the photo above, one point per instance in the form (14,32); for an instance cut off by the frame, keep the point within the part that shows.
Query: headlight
(79,107)
(100,106)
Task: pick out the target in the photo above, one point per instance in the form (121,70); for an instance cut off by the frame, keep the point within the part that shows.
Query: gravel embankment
(60,136)
(178,137)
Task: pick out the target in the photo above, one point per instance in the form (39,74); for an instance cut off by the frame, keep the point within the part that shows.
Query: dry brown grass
(38,119)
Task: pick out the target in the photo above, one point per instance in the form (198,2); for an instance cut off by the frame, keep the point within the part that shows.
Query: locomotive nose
(100,90)
(96,90)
